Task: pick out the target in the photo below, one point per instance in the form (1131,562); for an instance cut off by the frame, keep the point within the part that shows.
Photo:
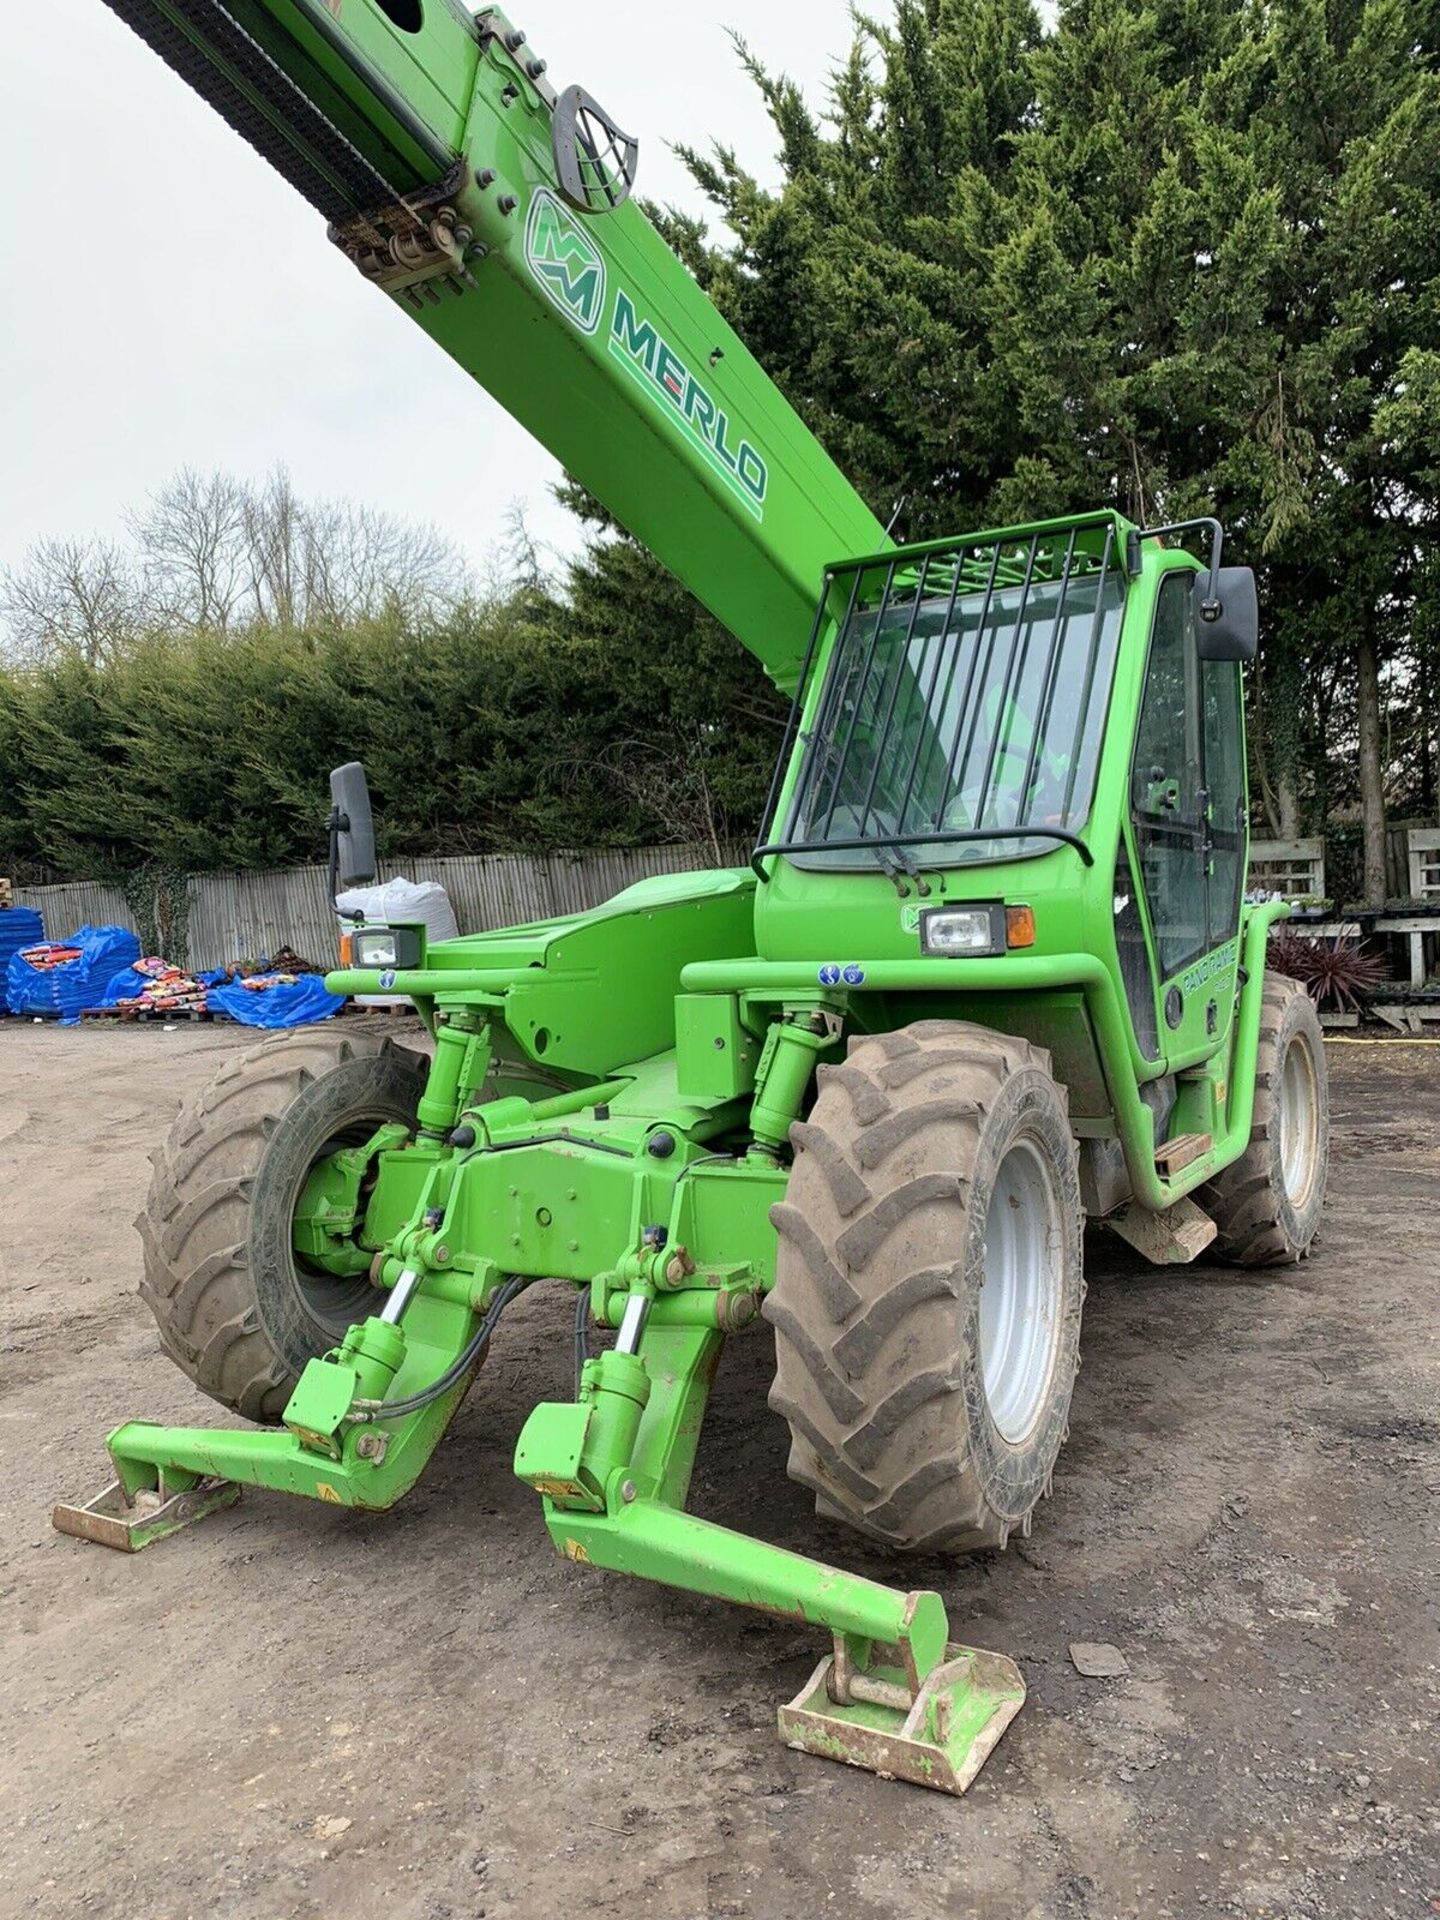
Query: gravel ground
(296,1711)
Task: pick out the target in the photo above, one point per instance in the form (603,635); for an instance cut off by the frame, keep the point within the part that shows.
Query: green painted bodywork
(674,1032)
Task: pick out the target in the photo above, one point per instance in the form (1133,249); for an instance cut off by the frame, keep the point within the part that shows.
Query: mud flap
(940,1736)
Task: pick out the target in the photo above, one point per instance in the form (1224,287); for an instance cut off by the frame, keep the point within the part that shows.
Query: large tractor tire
(1266,1205)
(928,1287)
(237,1310)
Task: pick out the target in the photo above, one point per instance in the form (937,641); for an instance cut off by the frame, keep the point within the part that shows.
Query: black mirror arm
(336,824)
(1210,608)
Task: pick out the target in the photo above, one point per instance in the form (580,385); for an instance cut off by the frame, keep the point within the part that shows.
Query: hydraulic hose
(582,1335)
(370,1410)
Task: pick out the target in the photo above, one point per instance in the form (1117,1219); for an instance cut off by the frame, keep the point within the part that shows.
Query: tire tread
(864,1376)
(1244,1201)
(196,1277)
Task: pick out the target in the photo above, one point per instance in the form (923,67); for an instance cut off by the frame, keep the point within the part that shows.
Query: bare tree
(219,554)
(275,539)
(71,597)
(334,561)
(519,558)
(672,782)
(192,545)
(369,561)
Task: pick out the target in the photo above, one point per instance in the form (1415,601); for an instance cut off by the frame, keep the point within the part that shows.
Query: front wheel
(928,1287)
(238,1309)
(1266,1205)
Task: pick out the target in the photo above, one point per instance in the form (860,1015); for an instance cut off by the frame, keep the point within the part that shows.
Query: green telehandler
(990,972)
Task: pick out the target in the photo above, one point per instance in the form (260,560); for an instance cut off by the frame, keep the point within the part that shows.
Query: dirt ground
(295,1711)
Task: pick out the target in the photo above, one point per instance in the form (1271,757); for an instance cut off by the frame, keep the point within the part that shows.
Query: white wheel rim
(1299,1121)
(1020,1301)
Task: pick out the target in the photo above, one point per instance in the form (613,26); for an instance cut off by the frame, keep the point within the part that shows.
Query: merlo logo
(565,262)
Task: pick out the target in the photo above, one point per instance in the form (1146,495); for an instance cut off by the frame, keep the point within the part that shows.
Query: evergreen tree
(1175,256)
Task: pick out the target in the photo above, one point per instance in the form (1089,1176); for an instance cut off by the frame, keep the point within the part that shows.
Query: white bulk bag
(399,903)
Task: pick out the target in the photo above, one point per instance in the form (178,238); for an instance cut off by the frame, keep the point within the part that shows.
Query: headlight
(385,948)
(375,949)
(953,933)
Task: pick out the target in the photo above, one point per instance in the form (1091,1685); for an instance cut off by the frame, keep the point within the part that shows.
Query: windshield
(952,721)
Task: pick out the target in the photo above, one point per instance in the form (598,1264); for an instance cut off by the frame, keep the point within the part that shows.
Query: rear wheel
(1267,1204)
(237,1309)
(929,1286)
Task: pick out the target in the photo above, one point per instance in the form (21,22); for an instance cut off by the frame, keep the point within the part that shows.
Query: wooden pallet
(1405,1017)
(147,1015)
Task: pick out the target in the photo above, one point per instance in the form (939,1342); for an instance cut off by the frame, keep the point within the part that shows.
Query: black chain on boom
(210,50)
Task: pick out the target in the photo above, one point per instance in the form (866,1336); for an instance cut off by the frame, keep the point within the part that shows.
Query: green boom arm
(460,183)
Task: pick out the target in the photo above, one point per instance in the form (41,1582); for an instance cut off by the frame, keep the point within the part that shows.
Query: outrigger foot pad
(938,1735)
(112,1520)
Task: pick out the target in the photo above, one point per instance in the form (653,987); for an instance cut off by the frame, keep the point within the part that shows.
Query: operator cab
(1035,739)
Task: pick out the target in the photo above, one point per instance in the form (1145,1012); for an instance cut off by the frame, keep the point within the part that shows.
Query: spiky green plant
(1337,974)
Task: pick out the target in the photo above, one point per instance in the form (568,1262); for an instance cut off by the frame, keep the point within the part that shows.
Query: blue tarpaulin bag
(127,984)
(68,988)
(19,927)
(300,1004)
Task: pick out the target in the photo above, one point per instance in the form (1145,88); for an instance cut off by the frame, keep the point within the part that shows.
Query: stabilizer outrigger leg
(115,1518)
(896,1695)
(330,1448)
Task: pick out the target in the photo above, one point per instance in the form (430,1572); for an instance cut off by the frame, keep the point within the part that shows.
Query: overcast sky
(168,300)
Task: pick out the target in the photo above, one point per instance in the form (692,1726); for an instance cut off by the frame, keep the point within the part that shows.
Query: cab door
(1188,833)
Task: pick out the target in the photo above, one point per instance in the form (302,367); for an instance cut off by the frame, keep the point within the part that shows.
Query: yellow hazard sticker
(557,1489)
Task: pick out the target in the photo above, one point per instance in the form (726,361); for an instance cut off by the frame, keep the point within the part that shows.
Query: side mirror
(352,829)
(1227,614)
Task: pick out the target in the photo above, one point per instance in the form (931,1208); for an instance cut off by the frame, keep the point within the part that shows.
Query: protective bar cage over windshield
(964,707)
